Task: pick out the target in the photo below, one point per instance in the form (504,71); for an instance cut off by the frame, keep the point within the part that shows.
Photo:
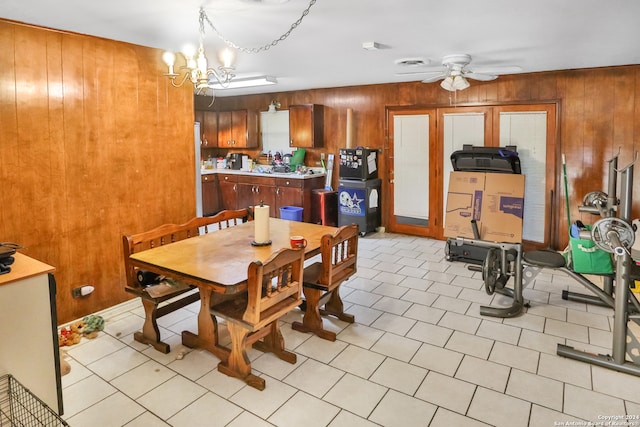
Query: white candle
(261,223)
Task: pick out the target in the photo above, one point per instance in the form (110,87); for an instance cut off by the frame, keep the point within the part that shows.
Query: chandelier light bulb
(202,62)
(226,57)
(169,58)
(189,51)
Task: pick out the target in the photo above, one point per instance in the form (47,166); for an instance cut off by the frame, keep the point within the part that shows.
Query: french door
(414,170)
(420,145)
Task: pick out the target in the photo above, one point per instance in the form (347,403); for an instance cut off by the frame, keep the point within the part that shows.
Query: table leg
(207,337)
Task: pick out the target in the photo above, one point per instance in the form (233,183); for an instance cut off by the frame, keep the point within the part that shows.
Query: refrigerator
(359,189)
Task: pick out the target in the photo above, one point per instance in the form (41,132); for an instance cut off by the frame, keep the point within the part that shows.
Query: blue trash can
(292,213)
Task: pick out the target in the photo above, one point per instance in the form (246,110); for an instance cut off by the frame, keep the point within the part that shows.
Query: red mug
(298,242)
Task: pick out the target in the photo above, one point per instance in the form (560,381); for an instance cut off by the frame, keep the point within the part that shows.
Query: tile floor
(419,354)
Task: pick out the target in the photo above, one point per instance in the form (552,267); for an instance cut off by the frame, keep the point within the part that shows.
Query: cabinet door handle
(234,187)
(291,143)
(277,191)
(257,190)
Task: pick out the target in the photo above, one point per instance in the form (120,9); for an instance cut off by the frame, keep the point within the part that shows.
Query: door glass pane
(459,129)
(411,169)
(528,132)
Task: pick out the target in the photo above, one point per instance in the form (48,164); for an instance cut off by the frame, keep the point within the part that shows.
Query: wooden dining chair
(159,299)
(322,281)
(273,290)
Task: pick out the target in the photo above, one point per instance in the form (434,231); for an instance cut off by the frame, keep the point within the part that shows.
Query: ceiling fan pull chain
(265,47)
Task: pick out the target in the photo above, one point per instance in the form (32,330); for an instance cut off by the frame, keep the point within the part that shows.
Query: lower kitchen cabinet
(240,191)
(254,190)
(297,192)
(228,188)
(210,199)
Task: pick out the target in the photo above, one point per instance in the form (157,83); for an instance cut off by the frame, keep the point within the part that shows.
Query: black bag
(7,250)
(486,159)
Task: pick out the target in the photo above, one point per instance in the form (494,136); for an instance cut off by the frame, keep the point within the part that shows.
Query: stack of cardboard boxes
(494,200)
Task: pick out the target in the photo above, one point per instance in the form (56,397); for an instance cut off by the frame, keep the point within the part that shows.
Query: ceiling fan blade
(481,77)
(497,70)
(435,76)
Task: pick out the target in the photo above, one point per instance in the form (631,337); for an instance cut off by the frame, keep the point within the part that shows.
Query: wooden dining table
(216,263)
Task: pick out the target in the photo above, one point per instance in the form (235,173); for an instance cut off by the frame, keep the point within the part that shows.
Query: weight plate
(491,270)
(595,199)
(602,227)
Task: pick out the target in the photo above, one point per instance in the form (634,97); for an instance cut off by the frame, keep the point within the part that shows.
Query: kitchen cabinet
(209,129)
(297,192)
(252,190)
(228,188)
(210,199)
(237,129)
(306,125)
(239,191)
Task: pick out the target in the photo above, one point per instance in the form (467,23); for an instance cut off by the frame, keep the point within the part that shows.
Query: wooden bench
(159,299)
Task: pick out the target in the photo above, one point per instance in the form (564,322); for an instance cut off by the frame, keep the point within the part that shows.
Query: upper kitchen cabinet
(237,129)
(306,125)
(209,129)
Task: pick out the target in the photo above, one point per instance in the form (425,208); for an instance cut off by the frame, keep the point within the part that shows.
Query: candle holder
(254,243)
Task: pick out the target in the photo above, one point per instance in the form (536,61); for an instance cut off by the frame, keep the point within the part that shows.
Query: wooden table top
(221,258)
(24,267)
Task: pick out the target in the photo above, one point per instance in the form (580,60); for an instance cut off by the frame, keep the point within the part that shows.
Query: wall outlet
(321,156)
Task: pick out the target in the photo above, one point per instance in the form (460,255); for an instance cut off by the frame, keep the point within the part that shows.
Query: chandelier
(196,66)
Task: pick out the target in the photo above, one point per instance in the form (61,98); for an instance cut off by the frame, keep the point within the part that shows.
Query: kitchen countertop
(291,175)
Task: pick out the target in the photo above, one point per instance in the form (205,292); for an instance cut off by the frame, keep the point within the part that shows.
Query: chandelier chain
(203,16)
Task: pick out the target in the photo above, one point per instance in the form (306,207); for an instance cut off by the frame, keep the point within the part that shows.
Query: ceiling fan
(455,71)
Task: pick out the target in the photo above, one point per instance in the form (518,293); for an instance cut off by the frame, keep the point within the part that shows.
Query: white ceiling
(325,50)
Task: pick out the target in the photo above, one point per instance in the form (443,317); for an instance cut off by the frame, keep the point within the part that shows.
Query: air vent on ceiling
(412,62)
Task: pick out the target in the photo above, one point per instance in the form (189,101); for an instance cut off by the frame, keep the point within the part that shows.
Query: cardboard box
(464,203)
(503,207)
(494,200)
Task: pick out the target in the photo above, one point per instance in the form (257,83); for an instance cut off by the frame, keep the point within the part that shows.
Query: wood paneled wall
(94,144)
(597,115)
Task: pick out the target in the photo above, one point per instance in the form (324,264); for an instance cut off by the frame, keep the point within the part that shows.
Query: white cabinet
(28,327)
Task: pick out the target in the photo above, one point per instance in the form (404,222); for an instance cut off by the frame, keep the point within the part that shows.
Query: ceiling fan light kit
(455,72)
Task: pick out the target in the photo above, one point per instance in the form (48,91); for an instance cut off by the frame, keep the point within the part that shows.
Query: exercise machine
(611,233)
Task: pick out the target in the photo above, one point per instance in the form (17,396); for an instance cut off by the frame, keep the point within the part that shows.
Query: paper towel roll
(261,223)
(349,139)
